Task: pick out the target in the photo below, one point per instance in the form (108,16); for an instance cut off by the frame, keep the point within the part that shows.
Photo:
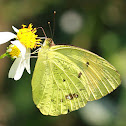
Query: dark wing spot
(61,100)
(64,80)
(75,95)
(68,110)
(52,100)
(66,96)
(87,64)
(79,75)
(82,89)
(70,96)
(117,71)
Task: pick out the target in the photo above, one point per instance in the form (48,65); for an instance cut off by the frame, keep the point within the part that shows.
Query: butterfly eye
(50,41)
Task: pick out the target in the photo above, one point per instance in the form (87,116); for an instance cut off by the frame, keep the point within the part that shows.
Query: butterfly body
(66,77)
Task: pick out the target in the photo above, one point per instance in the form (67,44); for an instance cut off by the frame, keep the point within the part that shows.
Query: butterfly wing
(66,77)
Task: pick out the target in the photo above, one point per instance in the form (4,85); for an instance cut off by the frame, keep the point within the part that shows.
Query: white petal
(15,29)
(17,69)
(6,36)
(19,72)
(27,60)
(20,46)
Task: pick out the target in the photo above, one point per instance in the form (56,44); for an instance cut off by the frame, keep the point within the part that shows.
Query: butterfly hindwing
(66,77)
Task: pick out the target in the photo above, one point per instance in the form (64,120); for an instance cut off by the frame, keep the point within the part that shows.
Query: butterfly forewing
(66,77)
(101,75)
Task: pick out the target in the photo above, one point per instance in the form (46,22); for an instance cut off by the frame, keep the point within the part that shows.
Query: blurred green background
(96,25)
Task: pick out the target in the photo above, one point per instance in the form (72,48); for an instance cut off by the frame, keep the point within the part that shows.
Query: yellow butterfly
(66,77)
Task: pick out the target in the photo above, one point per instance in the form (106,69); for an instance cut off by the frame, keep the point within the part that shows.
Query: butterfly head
(48,43)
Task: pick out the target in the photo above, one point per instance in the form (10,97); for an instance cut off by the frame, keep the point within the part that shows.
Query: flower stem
(3,55)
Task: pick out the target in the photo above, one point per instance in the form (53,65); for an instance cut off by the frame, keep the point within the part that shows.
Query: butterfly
(65,78)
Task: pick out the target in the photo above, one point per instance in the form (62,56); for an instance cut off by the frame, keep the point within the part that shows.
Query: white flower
(19,64)
(22,61)
(25,40)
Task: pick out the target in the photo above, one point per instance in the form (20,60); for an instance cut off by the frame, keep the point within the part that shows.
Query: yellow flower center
(13,51)
(27,36)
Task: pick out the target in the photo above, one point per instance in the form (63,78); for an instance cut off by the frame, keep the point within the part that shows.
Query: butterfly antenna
(54,24)
(50,30)
(43,31)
